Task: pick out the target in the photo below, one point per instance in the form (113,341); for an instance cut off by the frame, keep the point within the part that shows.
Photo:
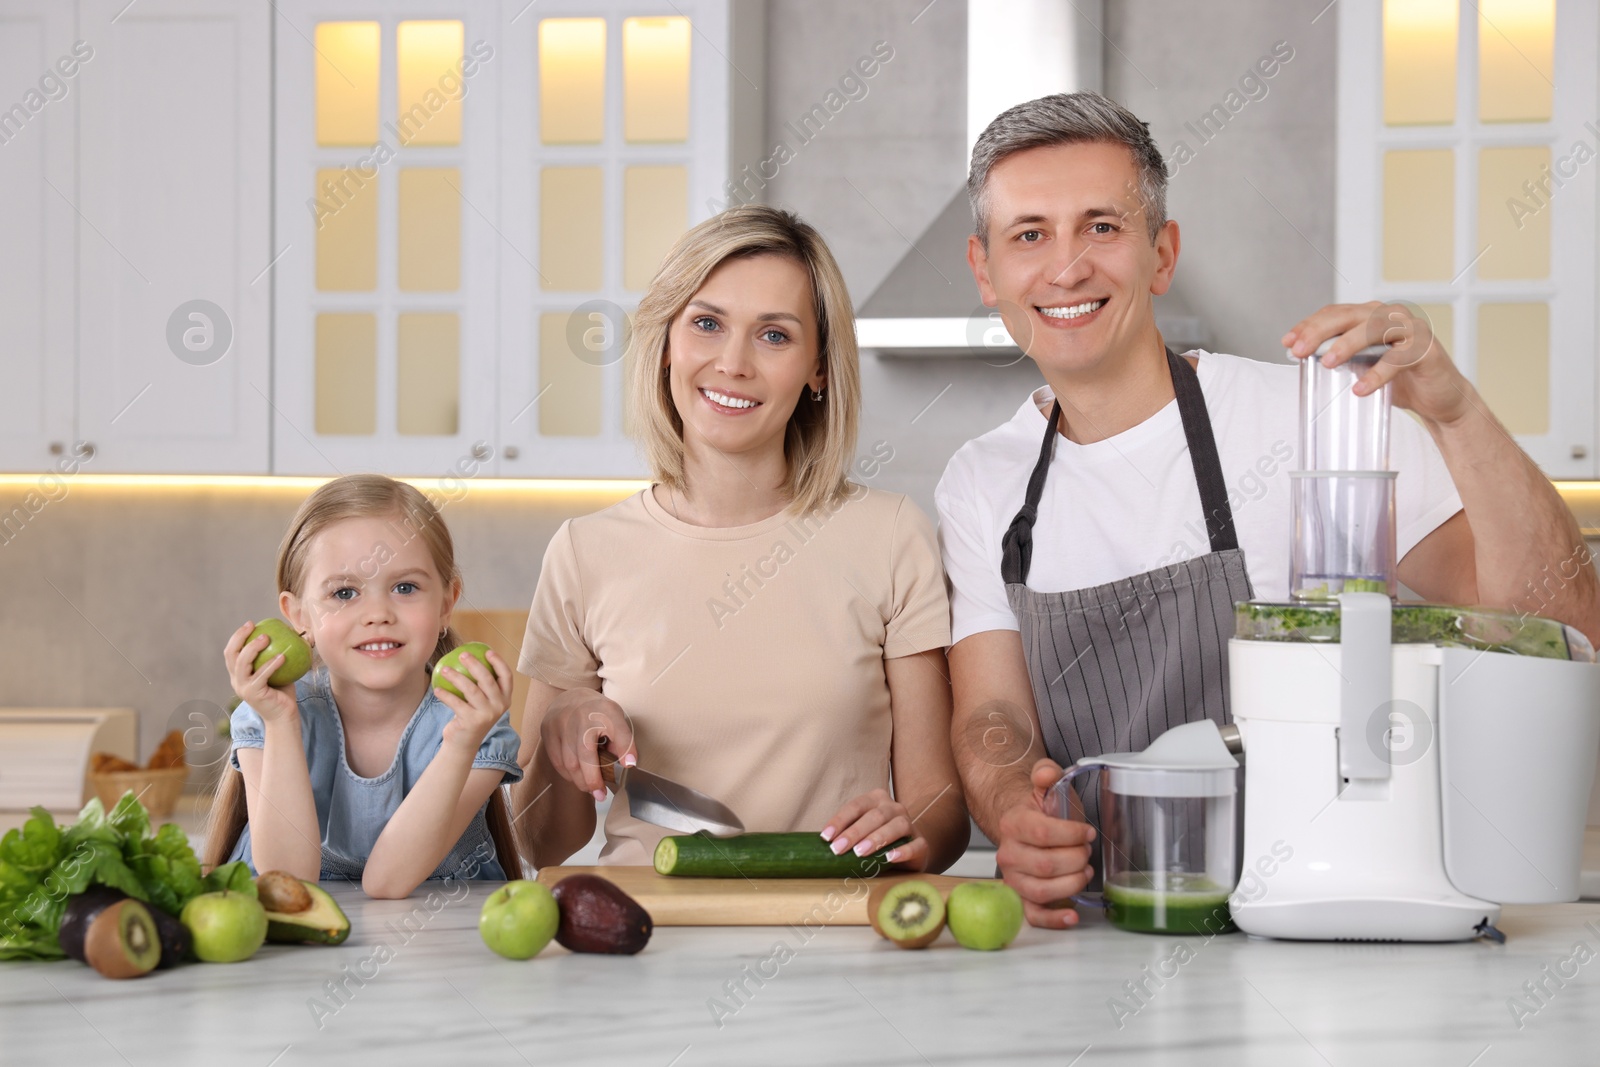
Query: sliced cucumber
(763,855)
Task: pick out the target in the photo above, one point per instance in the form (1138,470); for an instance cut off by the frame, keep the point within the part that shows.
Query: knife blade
(663,802)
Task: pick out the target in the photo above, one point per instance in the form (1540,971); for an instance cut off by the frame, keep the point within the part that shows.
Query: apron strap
(1203,454)
(1017,544)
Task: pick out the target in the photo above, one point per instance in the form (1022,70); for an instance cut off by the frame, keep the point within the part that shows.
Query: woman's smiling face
(373,602)
(742,352)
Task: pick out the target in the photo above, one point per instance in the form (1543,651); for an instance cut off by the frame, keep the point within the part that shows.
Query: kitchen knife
(663,802)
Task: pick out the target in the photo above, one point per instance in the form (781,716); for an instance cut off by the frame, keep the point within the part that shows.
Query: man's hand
(1044,858)
(1426,380)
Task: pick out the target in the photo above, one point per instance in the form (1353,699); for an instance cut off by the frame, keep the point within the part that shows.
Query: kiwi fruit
(909,913)
(283,893)
(123,942)
(84,908)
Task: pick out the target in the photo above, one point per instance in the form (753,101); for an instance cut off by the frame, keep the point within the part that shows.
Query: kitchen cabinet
(1466,187)
(470,199)
(615,139)
(37,125)
(172,238)
(133,314)
(311,238)
(387,194)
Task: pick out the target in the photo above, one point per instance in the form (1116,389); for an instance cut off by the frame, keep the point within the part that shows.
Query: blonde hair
(355,496)
(821,437)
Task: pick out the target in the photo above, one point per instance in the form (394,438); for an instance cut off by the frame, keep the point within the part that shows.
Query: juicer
(1409,768)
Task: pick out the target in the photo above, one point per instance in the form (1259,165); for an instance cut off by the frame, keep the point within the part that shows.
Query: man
(1097,542)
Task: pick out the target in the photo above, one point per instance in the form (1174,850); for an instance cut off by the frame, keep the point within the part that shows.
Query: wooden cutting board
(744,901)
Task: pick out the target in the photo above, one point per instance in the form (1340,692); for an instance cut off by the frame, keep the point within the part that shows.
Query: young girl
(364,770)
(753,626)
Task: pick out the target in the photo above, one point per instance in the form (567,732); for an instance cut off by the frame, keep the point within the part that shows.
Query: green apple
(519,919)
(296,653)
(984,915)
(452,659)
(227,926)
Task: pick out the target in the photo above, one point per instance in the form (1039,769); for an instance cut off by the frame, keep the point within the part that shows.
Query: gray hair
(1068,118)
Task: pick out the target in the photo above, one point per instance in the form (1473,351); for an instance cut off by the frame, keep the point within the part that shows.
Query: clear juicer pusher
(1342,501)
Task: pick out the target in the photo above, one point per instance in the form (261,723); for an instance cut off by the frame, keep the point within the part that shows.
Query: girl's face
(742,352)
(372,602)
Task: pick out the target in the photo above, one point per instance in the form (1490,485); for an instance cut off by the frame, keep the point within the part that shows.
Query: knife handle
(607,762)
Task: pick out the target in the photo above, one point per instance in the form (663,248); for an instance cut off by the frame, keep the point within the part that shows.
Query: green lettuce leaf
(42,866)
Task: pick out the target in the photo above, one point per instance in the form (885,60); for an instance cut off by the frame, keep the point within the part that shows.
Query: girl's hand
(576,725)
(249,684)
(873,820)
(488,694)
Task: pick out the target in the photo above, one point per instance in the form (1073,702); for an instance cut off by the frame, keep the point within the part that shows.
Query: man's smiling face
(1070,263)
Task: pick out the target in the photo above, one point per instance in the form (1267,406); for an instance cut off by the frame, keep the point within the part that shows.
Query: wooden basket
(157,790)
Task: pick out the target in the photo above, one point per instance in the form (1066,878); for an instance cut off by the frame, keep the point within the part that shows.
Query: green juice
(1172,902)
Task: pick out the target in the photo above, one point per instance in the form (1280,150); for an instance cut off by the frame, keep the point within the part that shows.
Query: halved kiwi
(123,942)
(282,892)
(910,912)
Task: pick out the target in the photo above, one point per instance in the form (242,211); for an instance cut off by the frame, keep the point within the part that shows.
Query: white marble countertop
(844,996)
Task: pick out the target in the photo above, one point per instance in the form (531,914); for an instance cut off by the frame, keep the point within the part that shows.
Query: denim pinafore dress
(351,810)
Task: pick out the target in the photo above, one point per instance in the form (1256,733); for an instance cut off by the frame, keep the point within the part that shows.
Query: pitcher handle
(1058,802)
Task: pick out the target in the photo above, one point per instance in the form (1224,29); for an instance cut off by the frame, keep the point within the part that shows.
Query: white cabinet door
(173,210)
(590,206)
(39,101)
(385,338)
(1486,222)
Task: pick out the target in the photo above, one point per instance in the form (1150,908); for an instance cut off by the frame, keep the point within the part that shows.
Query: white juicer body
(1337,859)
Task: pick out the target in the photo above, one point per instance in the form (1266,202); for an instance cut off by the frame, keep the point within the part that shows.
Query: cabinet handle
(511,452)
(481,451)
(57,448)
(84,449)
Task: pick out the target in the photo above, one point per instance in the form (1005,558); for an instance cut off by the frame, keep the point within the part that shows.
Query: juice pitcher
(1168,833)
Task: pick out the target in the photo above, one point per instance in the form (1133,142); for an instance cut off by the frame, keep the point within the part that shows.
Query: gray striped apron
(1116,665)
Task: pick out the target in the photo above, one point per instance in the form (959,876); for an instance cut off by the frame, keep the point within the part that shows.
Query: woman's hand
(575,726)
(486,695)
(249,684)
(873,820)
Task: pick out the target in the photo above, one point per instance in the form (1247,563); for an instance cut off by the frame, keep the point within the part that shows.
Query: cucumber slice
(764,855)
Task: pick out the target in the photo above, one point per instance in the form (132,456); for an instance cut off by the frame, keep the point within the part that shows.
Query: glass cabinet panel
(1514,364)
(1516,60)
(1419,62)
(428,378)
(430,229)
(346,373)
(428,69)
(347,83)
(572,81)
(655,79)
(1419,215)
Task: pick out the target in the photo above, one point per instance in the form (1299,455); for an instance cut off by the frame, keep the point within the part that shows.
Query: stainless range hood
(1016,50)
(928,306)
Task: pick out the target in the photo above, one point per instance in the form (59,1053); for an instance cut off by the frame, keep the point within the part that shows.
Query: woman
(753,625)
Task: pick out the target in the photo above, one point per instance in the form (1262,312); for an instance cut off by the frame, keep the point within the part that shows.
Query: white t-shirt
(1129,504)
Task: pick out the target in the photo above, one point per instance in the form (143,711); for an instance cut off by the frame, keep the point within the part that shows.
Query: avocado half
(324,923)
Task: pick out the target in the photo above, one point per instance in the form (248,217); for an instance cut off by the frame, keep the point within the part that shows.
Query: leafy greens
(43,865)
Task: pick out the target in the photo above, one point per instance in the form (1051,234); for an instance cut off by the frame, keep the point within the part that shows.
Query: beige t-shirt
(749,659)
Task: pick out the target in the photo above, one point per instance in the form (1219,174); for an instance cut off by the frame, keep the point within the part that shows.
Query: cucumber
(795,855)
